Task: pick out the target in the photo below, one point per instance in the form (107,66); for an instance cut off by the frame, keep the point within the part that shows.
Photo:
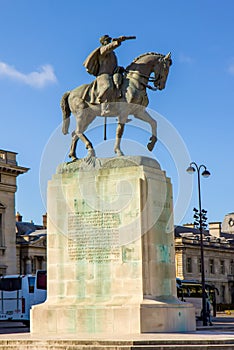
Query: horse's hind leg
(75,137)
(83,121)
(119,134)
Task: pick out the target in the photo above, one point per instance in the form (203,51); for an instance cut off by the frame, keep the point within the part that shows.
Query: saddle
(91,92)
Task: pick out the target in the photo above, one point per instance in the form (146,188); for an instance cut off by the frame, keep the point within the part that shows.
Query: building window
(40,260)
(2,156)
(222,267)
(189,265)
(199,265)
(2,271)
(211,262)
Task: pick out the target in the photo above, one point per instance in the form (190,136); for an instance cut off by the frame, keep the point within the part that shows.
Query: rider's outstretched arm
(109,47)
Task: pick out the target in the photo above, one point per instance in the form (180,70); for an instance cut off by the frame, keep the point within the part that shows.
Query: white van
(17,295)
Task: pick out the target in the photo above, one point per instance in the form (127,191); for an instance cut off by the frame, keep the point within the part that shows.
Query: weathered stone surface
(111,263)
(98,163)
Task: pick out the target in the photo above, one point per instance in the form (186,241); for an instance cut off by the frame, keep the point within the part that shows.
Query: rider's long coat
(102,63)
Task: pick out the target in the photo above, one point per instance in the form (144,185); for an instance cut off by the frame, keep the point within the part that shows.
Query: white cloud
(38,79)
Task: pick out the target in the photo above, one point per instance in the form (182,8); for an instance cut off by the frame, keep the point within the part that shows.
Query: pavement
(222,330)
(222,321)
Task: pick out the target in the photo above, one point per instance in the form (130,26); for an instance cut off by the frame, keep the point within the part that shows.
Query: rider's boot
(119,92)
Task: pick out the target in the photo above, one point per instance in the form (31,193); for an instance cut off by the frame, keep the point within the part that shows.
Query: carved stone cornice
(12,169)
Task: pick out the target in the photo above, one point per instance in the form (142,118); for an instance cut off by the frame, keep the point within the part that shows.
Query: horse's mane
(143,55)
(147,54)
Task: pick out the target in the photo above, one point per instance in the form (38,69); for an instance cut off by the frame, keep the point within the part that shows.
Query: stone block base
(167,316)
(70,319)
(110,249)
(149,317)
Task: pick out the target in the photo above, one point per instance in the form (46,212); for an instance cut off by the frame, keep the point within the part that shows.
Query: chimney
(18,217)
(44,220)
(215,228)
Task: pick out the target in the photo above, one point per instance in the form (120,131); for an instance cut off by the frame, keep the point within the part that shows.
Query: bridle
(150,79)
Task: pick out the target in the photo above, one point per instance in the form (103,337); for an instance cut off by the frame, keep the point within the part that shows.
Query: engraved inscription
(93,236)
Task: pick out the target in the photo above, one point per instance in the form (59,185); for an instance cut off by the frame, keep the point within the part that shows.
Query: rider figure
(103,64)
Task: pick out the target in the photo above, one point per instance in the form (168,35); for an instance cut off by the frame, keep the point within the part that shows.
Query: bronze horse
(133,100)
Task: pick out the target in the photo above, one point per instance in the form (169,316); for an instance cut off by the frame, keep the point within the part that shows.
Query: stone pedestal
(111,259)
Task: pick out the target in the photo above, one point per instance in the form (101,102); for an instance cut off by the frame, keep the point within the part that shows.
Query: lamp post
(193,167)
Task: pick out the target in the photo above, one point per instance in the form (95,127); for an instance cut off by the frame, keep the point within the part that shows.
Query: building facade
(9,170)
(30,246)
(218,257)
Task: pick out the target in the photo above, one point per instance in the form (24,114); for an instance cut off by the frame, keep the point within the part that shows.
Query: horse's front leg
(88,145)
(146,117)
(119,134)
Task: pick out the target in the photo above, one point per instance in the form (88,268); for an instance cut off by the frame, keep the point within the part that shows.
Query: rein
(150,79)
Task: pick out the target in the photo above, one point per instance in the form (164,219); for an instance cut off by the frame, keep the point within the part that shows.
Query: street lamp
(200,216)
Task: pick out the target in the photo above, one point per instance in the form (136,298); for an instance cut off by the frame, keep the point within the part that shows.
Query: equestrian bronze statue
(115,92)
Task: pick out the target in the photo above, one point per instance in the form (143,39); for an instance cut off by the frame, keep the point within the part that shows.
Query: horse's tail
(66,112)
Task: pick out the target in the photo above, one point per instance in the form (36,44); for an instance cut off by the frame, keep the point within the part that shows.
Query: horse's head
(161,70)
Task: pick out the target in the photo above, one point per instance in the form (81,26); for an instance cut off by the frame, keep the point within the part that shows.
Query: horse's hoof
(91,156)
(151,144)
(73,158)
(65,132)
(119,153)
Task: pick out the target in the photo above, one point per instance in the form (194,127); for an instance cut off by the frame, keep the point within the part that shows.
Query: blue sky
(43,46)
